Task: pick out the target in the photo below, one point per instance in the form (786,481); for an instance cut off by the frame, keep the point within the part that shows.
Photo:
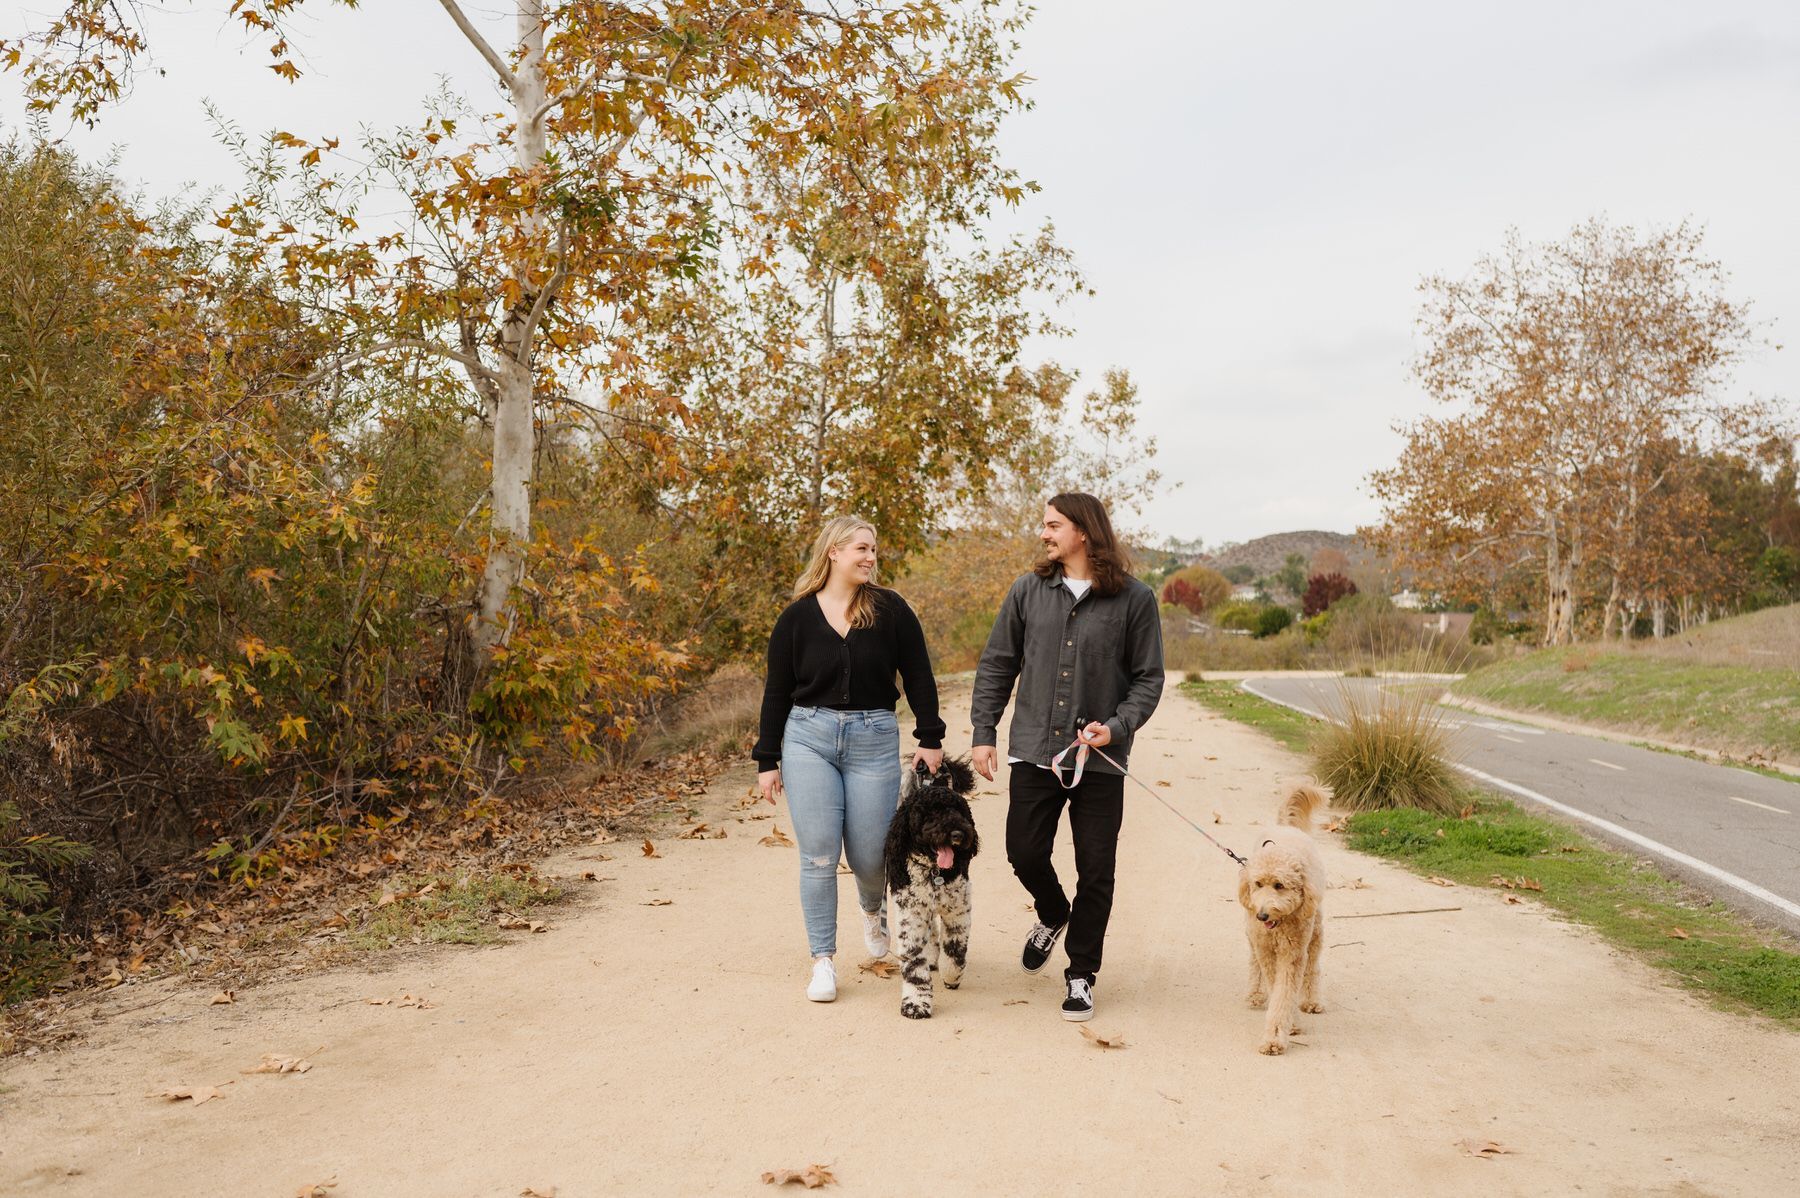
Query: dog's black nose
(1263,915)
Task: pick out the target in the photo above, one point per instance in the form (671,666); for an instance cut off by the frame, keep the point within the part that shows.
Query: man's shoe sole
(1079,1016)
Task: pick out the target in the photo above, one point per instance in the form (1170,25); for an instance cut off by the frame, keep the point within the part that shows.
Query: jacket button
(1060,703)
(1070,643)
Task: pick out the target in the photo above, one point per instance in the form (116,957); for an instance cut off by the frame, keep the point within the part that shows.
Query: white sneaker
(823,987)
(875,937)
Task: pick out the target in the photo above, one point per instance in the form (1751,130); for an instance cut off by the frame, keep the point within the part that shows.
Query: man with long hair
(1083,640)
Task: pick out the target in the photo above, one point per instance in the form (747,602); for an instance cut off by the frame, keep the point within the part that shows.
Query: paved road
(1732,833)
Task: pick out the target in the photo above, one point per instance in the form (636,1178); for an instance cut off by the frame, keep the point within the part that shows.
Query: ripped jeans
(841,770)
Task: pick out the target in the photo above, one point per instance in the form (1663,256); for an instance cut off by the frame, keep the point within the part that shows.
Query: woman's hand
(769,782)
(933,759)
(1097,734)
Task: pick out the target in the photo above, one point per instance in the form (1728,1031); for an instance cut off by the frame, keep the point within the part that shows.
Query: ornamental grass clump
(1386,748)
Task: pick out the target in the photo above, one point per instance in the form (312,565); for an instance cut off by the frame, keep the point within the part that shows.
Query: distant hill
(1265,555)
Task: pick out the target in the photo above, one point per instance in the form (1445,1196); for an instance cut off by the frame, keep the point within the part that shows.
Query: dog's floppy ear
(957,774)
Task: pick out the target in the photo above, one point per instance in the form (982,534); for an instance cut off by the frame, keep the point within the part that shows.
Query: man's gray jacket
(1099,658)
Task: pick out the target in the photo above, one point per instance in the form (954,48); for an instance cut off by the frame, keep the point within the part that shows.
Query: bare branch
(481,44)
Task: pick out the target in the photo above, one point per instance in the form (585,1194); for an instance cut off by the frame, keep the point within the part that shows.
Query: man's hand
(933,759)
(1097,734)
(769,782)
(985,759)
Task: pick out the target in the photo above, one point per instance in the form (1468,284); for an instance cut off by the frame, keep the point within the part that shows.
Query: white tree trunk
(515,433)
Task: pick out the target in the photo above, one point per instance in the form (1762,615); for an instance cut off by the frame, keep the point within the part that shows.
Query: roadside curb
(1625,738)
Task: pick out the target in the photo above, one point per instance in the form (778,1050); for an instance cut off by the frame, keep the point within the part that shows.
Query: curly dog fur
(929,846)
(1282,891)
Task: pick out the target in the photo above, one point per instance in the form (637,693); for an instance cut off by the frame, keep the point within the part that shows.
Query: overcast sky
(1253,190)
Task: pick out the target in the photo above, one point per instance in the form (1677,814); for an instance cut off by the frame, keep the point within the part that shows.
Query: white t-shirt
(1079,587)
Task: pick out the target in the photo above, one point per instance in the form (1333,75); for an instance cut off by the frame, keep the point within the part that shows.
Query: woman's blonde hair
(835,535)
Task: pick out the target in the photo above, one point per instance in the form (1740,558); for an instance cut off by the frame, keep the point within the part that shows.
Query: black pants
(1096,812)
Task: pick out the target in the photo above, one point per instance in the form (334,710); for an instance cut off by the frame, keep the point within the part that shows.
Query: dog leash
(1083,748)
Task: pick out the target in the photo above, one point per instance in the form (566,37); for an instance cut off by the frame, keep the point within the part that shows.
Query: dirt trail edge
(644,1046)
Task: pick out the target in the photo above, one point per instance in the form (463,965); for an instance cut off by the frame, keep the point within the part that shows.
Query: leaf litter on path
(1092,1037)
(198,1094)
(812,1177)
(777,839)
(1486,1150)
(403,1000)
(880,967)
(650,850)
(275,1062)
(317,1189)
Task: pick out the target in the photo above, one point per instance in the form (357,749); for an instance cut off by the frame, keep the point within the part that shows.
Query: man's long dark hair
(1109,559)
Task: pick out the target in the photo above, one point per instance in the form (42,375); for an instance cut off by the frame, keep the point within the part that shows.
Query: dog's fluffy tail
(1299,808)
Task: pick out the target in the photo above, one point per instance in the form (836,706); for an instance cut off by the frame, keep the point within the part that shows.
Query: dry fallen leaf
(650,850)
(1210,757)
(1113,1041)
(1015,1002)
(538,1192)
(812,1177)
(1529,884)
(588,875)
(275,1062)
(1161,783)
(223,997)
(1486,1150)
(387,898)
(1437,881)
(316,1189)
(657,903)
(1468,812)
(1515,900)
(1337,825)
(404,1000)
(777,839)
(697,832)
(199,1094)
(1677,934)
(882,968)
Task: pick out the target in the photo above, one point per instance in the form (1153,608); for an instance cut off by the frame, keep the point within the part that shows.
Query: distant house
(1244,593)
(1444,623)
(1409,600)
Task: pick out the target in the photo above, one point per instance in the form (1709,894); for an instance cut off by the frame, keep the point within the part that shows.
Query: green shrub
(29,959)
(1239,616)
(1316,628)
(1271,620)
(1387,749)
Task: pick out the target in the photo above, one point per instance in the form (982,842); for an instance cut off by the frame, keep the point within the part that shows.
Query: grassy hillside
(1732,686)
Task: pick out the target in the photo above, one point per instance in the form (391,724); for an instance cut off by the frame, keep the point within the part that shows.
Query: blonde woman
(829,735)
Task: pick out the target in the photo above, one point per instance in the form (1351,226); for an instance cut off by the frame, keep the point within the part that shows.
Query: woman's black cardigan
(810,665)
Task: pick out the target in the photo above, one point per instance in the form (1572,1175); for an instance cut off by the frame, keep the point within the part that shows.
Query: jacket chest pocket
(1100,637)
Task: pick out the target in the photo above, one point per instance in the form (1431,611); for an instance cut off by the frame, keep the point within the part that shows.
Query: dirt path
(669,1049)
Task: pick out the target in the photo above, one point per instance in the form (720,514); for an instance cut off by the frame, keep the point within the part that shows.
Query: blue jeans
(841,770)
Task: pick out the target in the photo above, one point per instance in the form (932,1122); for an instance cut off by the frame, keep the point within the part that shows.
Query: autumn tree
(541,234)
(1196,588)
(1322,590)
(1568,365)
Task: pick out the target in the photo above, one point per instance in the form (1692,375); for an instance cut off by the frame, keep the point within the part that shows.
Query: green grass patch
(448,909)
(1283,723)
(1707,946)
(1741,710)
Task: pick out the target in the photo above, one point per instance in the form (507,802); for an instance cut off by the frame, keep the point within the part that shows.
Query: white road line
(1662,850)
(1754,803)
(1743,885)
(1503,736)
(1609,765)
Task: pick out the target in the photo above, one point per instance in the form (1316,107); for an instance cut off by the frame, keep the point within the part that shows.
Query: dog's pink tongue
(946,857)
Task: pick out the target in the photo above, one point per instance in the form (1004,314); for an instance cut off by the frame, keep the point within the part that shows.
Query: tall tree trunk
(1559,586)
(1611,611)
(515,434)
(1659,617)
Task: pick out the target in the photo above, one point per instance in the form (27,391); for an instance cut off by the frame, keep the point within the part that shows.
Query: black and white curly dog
(929,846)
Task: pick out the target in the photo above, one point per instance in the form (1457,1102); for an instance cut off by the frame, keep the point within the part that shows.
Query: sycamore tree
(542,229)
(1571,369)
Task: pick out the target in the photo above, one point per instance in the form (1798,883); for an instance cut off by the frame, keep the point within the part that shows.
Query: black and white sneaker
(1038,945)
(1078,1007)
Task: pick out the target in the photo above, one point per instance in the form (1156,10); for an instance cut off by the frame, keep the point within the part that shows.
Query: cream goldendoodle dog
(1282,889)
